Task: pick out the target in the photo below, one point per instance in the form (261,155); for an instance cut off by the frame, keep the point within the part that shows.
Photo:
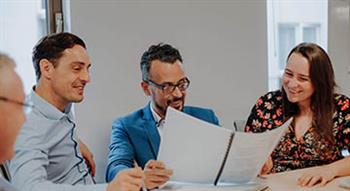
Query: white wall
(223,43)
(20,28)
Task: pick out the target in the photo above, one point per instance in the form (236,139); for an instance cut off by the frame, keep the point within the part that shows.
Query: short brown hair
(51,47)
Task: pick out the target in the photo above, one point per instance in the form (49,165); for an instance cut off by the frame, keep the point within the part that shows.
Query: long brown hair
(322,79)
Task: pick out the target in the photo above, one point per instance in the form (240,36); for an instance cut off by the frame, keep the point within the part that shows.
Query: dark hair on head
(163,52)
(51,47)
(322,79)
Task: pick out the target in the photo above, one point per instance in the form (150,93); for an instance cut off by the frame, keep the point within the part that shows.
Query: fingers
(132,176)
(156,174)
(313,181)
(323,182)
(134,172)
(309,181)
(155,164)
(267,167)
(127,180)
(88,156)
(91,164)
(156,177)
(319,176)
(304,180)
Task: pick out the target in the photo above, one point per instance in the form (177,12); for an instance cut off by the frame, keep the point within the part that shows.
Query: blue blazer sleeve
(121,152)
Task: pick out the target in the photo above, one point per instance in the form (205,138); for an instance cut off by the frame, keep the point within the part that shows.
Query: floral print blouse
(292,153)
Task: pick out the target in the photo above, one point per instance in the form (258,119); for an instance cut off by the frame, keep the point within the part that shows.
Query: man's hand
(319,175)
(127,180)
(156,174)
(88,156)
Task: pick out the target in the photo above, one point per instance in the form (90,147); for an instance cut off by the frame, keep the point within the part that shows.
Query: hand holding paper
(156,174)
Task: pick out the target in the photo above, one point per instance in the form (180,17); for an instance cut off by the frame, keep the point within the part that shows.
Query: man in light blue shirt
(11,115)
(48,156)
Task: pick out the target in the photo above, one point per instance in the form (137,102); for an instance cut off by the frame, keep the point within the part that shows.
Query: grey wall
(223,43)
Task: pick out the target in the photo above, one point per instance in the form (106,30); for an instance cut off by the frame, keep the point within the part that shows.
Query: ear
(46,68)
(145,88)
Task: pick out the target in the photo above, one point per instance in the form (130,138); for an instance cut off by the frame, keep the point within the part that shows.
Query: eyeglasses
(23,104)
(169,88)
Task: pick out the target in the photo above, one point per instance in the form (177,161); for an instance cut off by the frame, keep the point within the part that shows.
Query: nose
(177,92)
(292,83)
(85,76)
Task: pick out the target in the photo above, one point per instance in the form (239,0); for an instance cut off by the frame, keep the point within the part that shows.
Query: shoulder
(198,110)
(342,102)
(270,101)
(267,113)
(273,96)
(34,130)
(132,117)
(205,114)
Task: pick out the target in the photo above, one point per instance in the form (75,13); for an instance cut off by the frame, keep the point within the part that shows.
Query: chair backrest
(239,124)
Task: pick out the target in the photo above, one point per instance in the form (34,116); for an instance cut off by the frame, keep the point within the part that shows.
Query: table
(286,181)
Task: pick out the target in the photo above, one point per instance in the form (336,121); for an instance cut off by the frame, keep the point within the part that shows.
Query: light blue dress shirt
(47,155)
(6,186)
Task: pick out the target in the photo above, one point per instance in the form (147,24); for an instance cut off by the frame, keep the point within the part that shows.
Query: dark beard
(163,109)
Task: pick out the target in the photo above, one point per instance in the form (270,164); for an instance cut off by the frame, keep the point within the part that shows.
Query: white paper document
(196,150)
(249,152)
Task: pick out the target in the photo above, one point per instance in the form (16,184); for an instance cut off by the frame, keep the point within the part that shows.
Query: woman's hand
(267,167)
(318,175)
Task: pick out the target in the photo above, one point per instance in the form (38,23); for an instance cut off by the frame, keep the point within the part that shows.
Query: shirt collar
(47,109)
(155,115)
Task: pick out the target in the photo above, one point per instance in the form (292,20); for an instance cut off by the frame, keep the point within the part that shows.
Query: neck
(305,108)
(47,93)
(160,113)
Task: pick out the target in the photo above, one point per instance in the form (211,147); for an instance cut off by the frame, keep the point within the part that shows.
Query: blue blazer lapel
(150,128)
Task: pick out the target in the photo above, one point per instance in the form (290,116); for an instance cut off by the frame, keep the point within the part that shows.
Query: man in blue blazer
(136,137)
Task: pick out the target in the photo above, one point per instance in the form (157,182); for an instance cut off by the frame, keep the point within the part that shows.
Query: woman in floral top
(320,131)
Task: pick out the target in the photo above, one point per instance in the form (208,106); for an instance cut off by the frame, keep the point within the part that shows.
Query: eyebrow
(81,63)
(303,75)
(176,82)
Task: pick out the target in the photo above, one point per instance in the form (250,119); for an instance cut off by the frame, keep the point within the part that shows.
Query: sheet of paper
(249,152)
(194,149)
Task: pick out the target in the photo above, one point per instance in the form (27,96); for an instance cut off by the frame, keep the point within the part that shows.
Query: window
(311,33)
(286,41)
(22,24)
(290,23)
